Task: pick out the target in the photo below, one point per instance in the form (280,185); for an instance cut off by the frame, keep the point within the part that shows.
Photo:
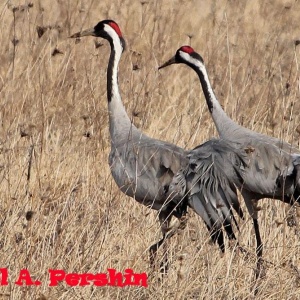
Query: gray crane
(144,168)
(272,168)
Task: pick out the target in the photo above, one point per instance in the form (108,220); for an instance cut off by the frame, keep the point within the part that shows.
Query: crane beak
(168,63)
(87,32)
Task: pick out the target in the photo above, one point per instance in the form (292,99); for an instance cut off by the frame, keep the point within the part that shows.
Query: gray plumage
(144,168)
(207,182)
(271,168)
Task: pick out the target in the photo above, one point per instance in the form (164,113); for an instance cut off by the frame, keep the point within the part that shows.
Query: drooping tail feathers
(210,191)
(296,162)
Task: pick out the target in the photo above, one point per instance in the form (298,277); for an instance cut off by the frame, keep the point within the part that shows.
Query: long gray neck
(225,125)
(120,126)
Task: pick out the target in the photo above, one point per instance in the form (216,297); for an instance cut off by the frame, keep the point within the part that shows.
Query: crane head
(106,29)
(184,54)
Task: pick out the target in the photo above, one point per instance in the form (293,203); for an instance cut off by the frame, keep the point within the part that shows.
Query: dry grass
(54,140)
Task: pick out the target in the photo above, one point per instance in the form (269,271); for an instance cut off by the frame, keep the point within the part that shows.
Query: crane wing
(208,183)
(270,171)
(144,169)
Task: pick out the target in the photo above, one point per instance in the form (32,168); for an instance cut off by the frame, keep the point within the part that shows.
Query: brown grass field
(60,208)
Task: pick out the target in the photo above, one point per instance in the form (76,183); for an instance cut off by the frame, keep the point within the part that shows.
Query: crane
(272,168)
(144,168)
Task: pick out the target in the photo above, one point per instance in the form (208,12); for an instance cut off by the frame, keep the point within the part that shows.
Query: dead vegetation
(60,208)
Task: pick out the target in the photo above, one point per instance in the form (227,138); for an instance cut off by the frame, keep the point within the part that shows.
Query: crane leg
(259,272)
(253,209)
(167,232)
(259,250)
(164,219)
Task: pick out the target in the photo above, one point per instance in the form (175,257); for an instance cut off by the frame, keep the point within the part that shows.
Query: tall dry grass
(60,208)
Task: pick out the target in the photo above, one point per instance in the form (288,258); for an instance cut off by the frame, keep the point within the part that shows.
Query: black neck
(110,67)
(204,84)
